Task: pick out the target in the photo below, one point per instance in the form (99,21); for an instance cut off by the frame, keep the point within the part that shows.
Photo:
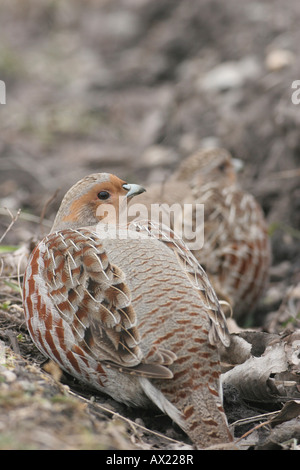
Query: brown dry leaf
(271,377)
(289,411)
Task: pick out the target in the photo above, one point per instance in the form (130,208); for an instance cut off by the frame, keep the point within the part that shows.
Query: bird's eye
(103,195)
(222,167)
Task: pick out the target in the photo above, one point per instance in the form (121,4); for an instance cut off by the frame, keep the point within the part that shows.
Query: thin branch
(127,420)
(29,217)
(252,419)
(286,174)
(13,221)
(46,205)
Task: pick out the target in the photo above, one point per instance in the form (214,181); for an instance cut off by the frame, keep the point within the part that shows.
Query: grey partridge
(128,311)
(236,252)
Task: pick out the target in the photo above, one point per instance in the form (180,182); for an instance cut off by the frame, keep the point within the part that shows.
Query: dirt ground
(132,87)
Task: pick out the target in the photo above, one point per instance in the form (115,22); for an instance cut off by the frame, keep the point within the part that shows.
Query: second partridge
(236,251)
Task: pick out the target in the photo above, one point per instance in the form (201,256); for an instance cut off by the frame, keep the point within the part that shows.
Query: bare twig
(258,426)
(251,419)
(46,205)
(13,221)
(286,174)
(29,217)
(127,420)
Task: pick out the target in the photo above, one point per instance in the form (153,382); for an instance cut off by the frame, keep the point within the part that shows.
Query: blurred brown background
(133,86)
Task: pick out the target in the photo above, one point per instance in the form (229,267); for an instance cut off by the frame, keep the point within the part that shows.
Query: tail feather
(158,398)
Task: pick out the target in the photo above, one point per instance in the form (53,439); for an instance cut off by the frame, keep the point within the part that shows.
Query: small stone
(8,375)
(273,296)
(157,155)
(280,271)
(139,422)
(279,59)
(231,74)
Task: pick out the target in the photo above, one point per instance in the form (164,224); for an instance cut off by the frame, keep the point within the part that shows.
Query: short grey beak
(238,164)
(133,189)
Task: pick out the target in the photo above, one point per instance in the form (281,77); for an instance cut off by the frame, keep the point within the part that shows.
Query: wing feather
(92,296)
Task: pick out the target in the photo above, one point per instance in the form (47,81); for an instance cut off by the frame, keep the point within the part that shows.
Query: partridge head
(96,198)
(133,315)
(206,166)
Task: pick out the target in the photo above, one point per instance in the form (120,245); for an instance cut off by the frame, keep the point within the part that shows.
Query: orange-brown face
(224,171)
(95,198)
